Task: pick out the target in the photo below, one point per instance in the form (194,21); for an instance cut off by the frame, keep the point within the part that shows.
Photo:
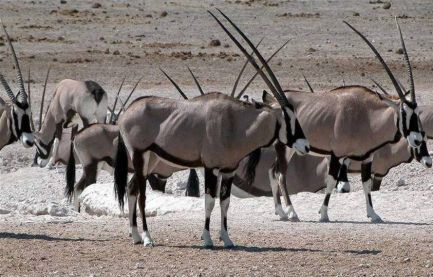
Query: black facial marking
(40,146)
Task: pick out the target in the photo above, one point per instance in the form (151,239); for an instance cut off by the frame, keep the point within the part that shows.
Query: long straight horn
(380,87)
(174,84)
(308,84)
(123,104)
(259,56)
(232,94)
(253,62)
(32,123)
(132,91)
(21,96)
(41,110)
(196,81)
(115,101)
(257,73)
(8,89)
(409,67)
(379,57)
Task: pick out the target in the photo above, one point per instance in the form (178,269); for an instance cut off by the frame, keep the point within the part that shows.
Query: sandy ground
(133,39)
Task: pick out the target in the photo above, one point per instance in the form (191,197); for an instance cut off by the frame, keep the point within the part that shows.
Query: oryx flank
(15,115)
(86,99)
(214,131)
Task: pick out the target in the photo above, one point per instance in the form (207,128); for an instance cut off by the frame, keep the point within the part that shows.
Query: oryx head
(290,133)
(21,113)
(409,124)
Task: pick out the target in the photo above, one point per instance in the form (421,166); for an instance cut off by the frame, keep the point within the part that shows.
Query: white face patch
(414,139)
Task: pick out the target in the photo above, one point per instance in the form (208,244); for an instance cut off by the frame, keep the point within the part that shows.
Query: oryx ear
(268,98)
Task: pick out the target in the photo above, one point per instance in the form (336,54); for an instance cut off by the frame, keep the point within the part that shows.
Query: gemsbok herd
(291,141)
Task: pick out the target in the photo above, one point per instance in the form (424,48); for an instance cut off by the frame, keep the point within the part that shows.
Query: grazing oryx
(214,131)
(86,99)
(337,123)
(15,115)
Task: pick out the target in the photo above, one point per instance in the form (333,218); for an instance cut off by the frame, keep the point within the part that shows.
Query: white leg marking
(136,237)
(330,183)
(375,218)
(209,205)
(280,212)
(147,240)
(224,235)
(343,187)
(293,216)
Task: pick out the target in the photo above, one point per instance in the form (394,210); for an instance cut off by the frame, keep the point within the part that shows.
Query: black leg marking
(211,182)
(207,223)
(369,200)
(326,201)
(366,172)
(343,174)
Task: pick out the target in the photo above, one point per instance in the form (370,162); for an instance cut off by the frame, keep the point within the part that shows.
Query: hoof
(149,244)
(294,218)
(137,242)
(324,219)
(208,246)
(229,246)
(284,217)
(376,219)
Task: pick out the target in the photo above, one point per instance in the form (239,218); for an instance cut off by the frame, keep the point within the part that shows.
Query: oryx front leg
(277,197)
(225,190)
(331,182)
(366,184)
(292,216)
(211,185)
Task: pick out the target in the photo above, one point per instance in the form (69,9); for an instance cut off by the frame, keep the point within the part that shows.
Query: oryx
(337,123)
(15,115)
(86,99)
(214,131)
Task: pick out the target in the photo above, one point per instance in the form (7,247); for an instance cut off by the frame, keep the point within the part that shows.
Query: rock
(399,51)
(401,183)
(428,264)
(96,5)
(311,50)
(386,5)
(355,14)
(63,2)
(116,52)
(215,43)
(164,14)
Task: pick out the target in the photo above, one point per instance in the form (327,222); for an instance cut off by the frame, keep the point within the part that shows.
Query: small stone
(116,52)
(164,14)
(399,51)
(311,50)
(386,6)
(215,43)
(428,264)
(405,260)
(355,14)
(63,2)
(96,5)
(401,183)
(107,51)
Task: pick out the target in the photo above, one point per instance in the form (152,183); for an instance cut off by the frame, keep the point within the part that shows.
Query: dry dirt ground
(134,38)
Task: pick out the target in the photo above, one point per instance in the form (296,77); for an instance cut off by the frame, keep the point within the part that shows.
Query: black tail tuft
(193,185)
(70,174)
(156,183)
(121,172)
(250,169)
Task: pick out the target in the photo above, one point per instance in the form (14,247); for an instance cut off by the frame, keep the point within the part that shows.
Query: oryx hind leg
(89,177)
(331,182)
(211,186)
(366,184)
(343,181)
(277,197)
(132,207)
(141,167)
(292,215)
(225,191)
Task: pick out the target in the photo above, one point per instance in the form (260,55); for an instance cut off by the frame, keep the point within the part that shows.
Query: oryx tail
(193,185)
(121,171)
(70,173)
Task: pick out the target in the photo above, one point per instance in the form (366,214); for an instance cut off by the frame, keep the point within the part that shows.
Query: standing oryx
(337,123)
(87,99)
(213,131)
(15,116)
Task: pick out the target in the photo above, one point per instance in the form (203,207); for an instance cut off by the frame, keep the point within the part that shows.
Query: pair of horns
(399,88)
(272,83)
(21,96)
(123,104)
(177,86)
